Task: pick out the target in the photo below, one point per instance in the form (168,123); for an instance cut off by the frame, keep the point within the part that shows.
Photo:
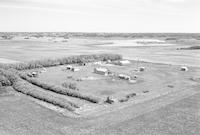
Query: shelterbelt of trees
(62,61)
(10,75)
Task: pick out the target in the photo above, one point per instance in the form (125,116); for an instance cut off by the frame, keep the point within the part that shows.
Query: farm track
(157,101)
(145,106)
(180,117)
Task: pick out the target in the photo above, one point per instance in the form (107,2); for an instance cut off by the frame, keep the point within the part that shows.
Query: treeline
(4,81)
(61,90)
(27,88)
(35,92)
(62,61)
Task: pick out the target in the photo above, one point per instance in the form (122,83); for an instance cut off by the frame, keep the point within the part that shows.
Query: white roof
(101,69)
(69,66)
(123,75)
(125,61)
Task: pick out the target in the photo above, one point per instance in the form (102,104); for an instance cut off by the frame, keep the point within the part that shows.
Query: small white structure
(124,62)
(82,64)
(132,81)
(33,74)
(108,62)
(141,69)
(75,69)
(97,63)
(101,71)
(125,77)
(184,69)
(43,70)
(69,67)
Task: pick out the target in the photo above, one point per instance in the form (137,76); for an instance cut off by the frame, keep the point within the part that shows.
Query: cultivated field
(75,83)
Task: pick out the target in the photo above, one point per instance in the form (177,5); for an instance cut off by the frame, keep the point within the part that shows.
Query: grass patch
(68,85)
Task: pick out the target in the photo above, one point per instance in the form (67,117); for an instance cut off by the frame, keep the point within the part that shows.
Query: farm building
(33,74)
(132,81)
(184,69)
(124,62)
(44,70)
(101,71)
(125,77)
(141,68)
(82,64)
(109,61)
(97,63)
(75,69)
(69,67)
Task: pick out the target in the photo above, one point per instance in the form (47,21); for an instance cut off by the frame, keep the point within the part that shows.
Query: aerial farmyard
(99,67)
(98,92)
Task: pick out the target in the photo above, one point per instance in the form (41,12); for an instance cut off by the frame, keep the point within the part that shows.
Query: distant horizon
(102,32)
(97,16)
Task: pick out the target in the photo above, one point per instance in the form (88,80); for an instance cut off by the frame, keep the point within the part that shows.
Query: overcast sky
(100,15)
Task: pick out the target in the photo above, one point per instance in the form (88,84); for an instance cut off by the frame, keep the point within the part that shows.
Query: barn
(101,71)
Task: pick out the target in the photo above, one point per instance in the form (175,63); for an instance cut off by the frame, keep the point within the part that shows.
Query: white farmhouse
(101,71)
(75,69)
(184,69)
(124,62)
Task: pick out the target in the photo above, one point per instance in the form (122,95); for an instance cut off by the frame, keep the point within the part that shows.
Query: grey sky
(100,15)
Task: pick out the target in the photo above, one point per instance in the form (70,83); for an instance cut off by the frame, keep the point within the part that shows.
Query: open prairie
(160,49)
(80,85)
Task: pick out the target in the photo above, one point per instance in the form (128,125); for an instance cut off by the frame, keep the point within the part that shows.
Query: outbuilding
(32,74)
(125,77)
(141,69)
(82,64)
(184,69)
(69,67)
(124,62)
(101,71)
(75,69)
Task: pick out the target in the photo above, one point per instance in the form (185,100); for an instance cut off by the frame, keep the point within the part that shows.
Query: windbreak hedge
(4,81)
(62,61)
(33,91)
(10,74)
(27,88)
(61,90)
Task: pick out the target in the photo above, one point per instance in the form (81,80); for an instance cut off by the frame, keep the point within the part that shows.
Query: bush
(28,89)
(4,81)
(123,100)
(10,74)
(131,95)
(62,61)
(191,48)
(60,90)
(72,86)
